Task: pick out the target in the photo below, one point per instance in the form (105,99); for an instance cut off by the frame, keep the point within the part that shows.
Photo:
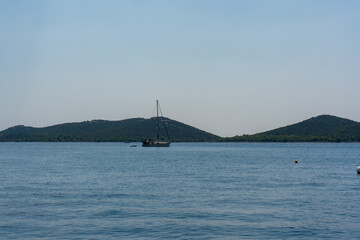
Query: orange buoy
(296,161)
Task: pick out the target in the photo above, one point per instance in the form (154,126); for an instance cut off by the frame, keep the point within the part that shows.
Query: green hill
(324,128)
(135,129)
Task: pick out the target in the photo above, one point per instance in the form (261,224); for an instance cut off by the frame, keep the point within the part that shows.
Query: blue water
(187,191)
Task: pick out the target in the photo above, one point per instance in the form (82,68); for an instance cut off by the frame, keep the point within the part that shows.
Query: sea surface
(187,191)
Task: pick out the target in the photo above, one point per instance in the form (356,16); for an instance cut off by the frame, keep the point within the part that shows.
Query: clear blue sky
(228,67)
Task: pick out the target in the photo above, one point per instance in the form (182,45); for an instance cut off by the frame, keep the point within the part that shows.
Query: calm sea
(187,191)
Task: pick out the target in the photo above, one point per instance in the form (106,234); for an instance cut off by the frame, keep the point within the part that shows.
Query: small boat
(157,142)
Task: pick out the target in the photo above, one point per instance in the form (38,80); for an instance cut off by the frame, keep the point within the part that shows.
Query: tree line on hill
(324,128)
(129,130)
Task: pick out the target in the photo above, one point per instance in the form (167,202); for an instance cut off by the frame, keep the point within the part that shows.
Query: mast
(157,108)
(157,120)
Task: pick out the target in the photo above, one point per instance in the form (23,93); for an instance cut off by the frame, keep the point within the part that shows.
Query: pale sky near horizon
(227,67)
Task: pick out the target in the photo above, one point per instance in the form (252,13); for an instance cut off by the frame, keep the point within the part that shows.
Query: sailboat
(157,142)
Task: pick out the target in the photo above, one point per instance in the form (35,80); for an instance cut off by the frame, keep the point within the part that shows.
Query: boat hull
(156,144)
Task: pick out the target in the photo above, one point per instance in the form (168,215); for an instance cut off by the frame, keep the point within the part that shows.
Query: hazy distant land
(324,128)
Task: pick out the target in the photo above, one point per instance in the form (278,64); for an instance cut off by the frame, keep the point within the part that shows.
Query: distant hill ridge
(135,129)
(323,128)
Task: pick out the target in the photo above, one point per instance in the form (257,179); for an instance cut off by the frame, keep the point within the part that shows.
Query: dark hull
(156,144)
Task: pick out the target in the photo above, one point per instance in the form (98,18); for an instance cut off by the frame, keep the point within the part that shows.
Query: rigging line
(160,110)
(167,133)
(163,122)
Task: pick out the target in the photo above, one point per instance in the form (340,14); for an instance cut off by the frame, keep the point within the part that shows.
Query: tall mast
(157,120)
(157,108)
